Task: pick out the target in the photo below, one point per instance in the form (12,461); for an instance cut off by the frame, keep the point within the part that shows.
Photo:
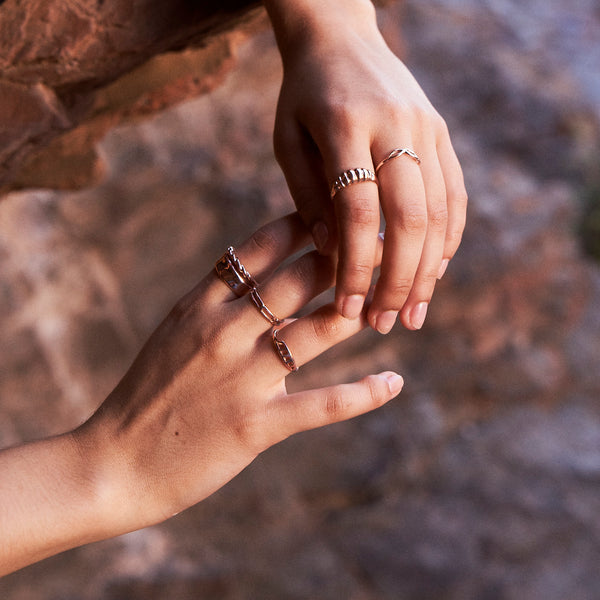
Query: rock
(481,480)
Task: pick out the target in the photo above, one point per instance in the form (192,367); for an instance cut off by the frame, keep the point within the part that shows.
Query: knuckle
(357,273)
(264,240)
(340,115)
(460,198)
(247,429)
(439,124)
(360,212)
(325,325)
(454,238)
(373,389)
(398,290)
(427,280)
(336,404)
(413,221)
(437,219)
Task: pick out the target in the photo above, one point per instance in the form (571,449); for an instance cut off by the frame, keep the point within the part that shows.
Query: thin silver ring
(263,309)
(350,177)
(395,154)
(283,351)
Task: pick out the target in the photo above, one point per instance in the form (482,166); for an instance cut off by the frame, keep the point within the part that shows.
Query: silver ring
(284,352)
(263,309)
(350,177)
(395,154)
(234,274)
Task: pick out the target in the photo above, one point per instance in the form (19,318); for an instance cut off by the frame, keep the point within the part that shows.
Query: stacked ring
(230,269)
(234,274)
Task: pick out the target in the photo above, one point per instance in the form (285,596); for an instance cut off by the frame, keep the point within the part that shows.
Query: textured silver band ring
(395,154)
(263,309)
(284,352)
(234,274)
(350,177)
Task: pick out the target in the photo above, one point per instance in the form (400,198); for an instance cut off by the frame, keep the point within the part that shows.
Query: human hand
(347,101)
(207,393)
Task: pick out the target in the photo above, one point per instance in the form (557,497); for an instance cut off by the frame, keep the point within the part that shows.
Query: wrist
(301,24)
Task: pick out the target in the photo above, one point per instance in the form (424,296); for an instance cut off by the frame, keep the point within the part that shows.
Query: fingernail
(443,268)
(381,235)
(352,306)
(385,321)
(418,314)
(320,235)
(394,381)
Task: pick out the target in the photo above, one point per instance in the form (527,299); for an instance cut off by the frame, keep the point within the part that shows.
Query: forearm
(50,501)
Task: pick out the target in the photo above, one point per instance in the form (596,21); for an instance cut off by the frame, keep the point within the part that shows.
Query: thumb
(315,408)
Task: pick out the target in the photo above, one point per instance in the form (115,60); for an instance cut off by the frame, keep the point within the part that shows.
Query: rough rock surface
(71,70)
(482,480)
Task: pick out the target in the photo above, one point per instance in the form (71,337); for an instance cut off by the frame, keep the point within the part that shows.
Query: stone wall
(482,480)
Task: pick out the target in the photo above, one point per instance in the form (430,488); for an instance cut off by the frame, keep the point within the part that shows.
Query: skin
(203,398)
(347,101)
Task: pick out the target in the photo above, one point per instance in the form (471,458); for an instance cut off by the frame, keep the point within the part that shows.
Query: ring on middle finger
(263,309)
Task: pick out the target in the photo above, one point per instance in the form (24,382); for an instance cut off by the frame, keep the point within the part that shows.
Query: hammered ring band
(395,154)
(350,177)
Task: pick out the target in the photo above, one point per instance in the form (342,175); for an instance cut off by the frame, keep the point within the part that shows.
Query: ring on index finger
(349,177)
(395,154)
(230,270)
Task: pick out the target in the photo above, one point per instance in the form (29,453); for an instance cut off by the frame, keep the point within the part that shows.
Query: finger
(264,251)
(296,284)
(316,408)
(404,204)
(309,336)
(456,198)
(415,308)
(302,166)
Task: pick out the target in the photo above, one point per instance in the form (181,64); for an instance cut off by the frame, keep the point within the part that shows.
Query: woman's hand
(204,397)
(347,101)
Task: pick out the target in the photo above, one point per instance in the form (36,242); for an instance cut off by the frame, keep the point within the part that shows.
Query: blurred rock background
(482,480)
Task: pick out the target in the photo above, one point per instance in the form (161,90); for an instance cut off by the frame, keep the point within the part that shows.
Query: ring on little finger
(350,177)
(283,351)
(230,270)
(395,154)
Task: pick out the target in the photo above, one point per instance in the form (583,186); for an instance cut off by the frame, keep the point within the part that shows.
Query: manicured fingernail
(443,268)
(418,314)
(394,381)
(352,306)
(385,321)
(320,235)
